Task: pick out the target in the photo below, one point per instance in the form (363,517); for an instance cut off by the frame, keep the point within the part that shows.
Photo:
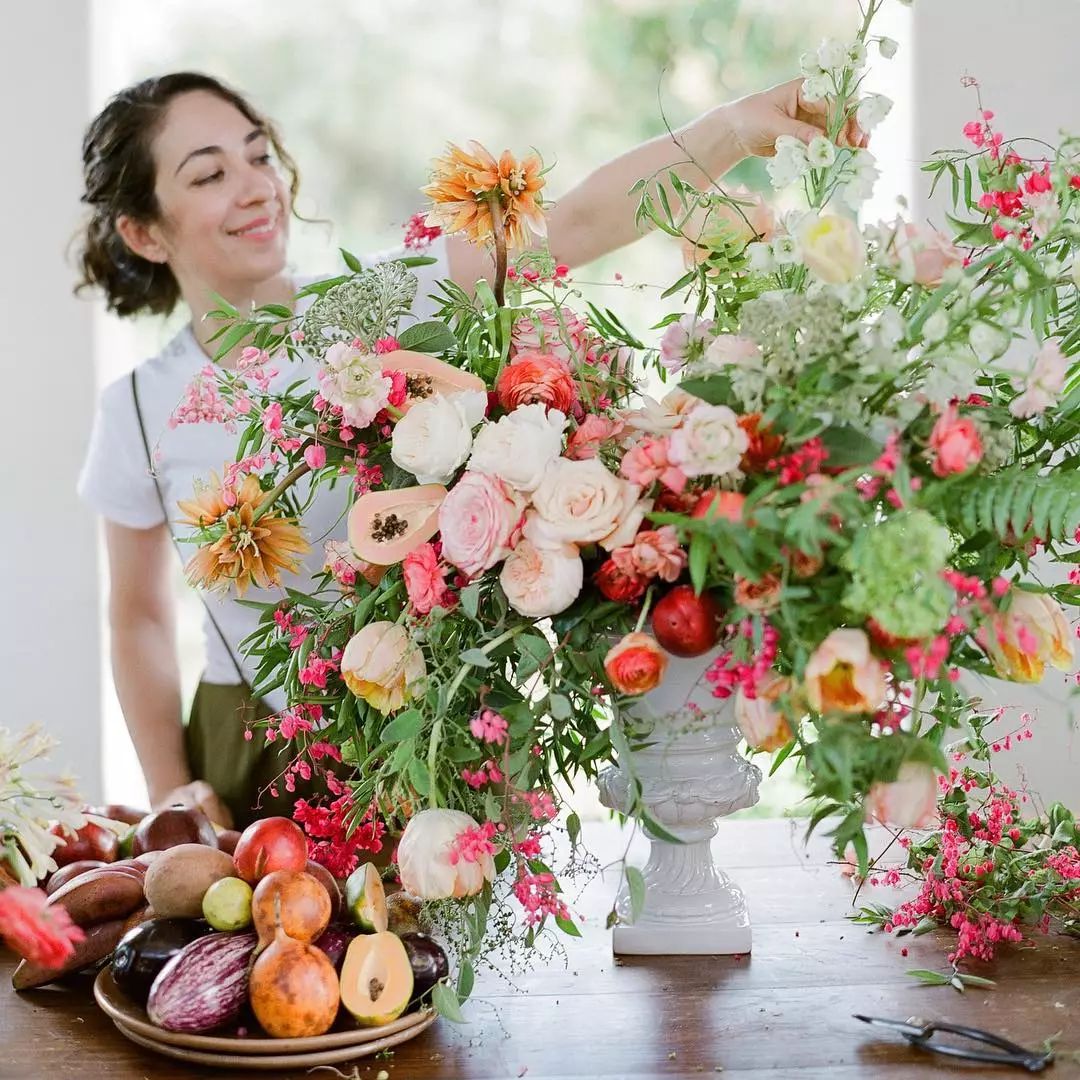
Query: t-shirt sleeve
(115,479)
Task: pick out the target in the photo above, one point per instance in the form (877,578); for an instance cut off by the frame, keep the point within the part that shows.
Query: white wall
(49,640)
(1031,93)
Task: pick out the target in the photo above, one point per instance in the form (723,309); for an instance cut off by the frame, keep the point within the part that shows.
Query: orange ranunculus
(463,182)
(536,377)
(758,596)
(764,445)
(248,551)
(636,664)
(763,726)
(1023,640)
(843,675)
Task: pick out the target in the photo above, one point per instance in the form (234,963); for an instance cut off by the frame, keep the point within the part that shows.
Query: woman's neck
(275,290)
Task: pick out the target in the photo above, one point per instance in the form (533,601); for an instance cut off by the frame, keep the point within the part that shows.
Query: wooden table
(784,1012)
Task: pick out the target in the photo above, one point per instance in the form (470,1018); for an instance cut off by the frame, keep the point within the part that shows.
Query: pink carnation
(425,580)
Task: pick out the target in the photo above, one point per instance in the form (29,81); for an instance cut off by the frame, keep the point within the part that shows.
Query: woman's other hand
(200,794)
(759,119)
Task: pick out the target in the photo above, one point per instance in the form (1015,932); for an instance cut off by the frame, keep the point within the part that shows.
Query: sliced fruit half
(425,375)
(365,899)
(376,978)
(384,526)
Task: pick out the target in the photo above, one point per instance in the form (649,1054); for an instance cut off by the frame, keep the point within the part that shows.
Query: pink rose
(559,333)
(650,460)
(842,675)
(424,580)
(478,521)
(924,253)
(537,378)
(763,726)
(654,553)
(955,442)
(590,433)
(909,801)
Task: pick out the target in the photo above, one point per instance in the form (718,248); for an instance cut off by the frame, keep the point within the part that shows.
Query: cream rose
(429,864)
(382,665)
(478,521)
(832,247)
(541,581)
(433,439)
(519,446)
(709,442)
(581,502)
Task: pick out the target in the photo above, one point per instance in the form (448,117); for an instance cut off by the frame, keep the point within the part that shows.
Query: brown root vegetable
(177,880)
(294,989)
(68,873)
(101,895)
(100,940)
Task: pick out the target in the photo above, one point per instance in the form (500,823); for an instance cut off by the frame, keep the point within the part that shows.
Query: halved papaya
(365,899)
(426,375)
(376,978)
(384,526)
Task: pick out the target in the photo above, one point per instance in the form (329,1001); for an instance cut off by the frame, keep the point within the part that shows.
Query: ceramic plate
(131,1018)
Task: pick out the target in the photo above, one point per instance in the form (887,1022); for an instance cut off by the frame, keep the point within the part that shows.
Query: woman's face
(224,207)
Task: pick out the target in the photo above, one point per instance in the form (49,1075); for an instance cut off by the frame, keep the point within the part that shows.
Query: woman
(187,202)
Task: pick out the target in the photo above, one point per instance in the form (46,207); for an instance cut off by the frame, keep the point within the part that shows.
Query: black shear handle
(1014,1054)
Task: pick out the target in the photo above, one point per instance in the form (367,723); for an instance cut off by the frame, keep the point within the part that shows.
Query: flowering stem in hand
(273,495)
(499,233)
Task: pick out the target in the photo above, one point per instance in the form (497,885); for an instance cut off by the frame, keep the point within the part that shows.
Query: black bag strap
(172,535)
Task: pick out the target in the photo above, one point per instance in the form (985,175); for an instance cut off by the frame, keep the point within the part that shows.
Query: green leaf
(573,827)
(976,980)
(567,926)
(636,883)
(559,705)
(712,389)
(848,447)
(930,978)
(427,337)
(351,261)
(502,860)
(466,978)
(406,726)
(419,776)
(446,1003)
(470,599)
(700,549)
(477,658)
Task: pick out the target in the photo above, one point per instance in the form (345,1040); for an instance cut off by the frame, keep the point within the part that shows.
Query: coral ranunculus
(955,442)
(843,675)
(536,377)
(382,665)
(636,664)
(43,935)
(623,587)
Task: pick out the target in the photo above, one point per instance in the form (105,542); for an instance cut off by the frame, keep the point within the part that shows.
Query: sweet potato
(101,895)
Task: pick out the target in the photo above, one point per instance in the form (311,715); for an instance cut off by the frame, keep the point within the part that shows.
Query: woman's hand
(199,794)
(759,119)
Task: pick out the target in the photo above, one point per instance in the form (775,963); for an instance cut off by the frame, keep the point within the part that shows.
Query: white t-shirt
(115,479)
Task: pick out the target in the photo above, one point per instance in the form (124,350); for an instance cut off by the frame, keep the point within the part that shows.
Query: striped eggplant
(204,985)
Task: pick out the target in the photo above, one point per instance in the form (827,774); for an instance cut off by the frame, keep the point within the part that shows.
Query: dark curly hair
(119,178)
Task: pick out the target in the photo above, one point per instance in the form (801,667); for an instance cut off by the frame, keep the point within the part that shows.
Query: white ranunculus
(709,442)
(426,849)
(581,502)
(519,446)
(832,247)
(433,439)
(872,110)
(541,579)
(987,342)
(352,379)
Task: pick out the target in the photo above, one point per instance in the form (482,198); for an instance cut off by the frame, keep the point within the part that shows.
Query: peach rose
(955,442)
(582,502)
(478,522)
(924,253)
(1023,640)
(654,553)
(382,665)
(536,377)
(636,664)
(758,596)
(762,726)
(590,433)
(843,675)
(541,580)
(909,801)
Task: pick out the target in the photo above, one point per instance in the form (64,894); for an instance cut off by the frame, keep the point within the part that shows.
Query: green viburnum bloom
(896,574)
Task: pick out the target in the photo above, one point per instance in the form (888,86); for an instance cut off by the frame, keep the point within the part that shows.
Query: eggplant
(146,949)
(205,985)
(428,962)
(333,941)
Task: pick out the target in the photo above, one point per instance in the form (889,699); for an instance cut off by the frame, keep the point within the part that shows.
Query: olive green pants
(240,771)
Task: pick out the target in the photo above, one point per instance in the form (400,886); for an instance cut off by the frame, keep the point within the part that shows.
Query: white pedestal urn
(691,774)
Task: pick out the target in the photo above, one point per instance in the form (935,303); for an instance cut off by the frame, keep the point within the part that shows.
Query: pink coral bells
(489,726)
(843,675)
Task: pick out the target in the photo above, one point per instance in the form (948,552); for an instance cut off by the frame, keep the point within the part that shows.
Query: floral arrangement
(840,500)
(33,813)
